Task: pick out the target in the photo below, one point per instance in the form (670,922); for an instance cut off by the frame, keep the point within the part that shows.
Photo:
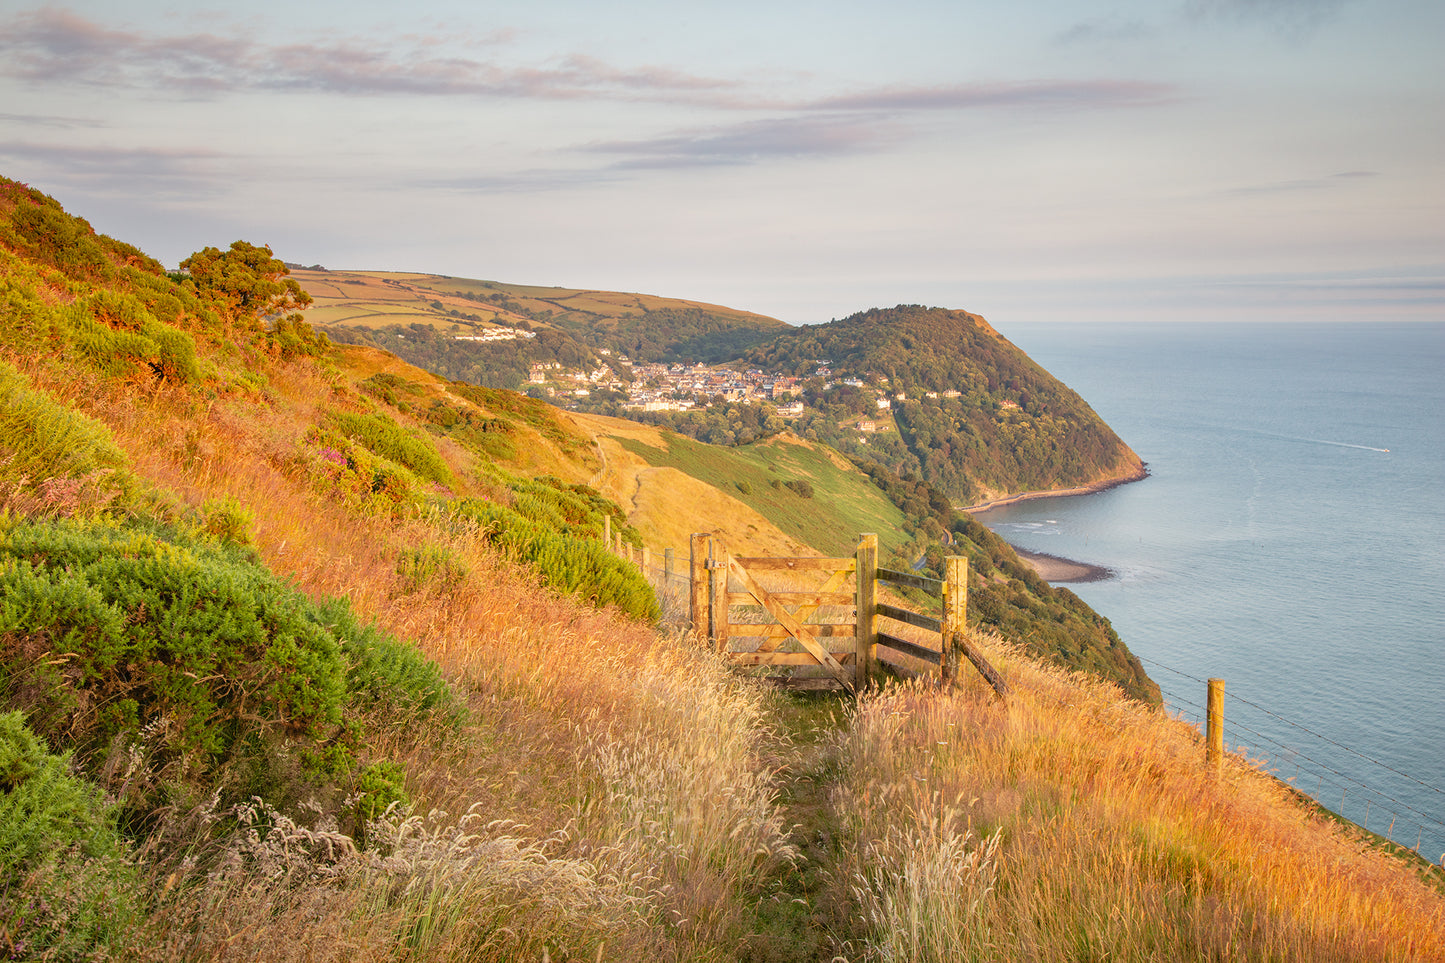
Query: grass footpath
(1067,824)
(801,918)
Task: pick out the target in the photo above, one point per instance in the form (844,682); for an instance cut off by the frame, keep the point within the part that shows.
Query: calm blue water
(1291,540)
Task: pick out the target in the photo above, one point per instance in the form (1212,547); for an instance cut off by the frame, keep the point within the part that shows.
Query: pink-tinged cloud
(56,46)
(753,141)
(1074,94)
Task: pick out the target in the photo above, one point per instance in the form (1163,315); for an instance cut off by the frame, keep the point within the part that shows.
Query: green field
(844,504)
(374,313)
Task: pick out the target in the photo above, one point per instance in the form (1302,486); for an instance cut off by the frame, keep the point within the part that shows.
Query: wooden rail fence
(818,621)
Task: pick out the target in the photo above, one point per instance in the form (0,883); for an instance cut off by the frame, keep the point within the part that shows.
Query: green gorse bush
(189,653)
(57,838)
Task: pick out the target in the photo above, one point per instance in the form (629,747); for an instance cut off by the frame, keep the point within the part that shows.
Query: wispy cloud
(517,182)
(48,120)
(1418,286)
(1329,182)
(162,171)
(1106,30)
(1292,19)
(54,46)
(50,45)
(1031,93)
(753,141)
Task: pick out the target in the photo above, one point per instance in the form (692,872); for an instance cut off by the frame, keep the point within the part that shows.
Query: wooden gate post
(955,637)
(719,608)
(955,614)
(867,606)
(698,609)
(1214,725)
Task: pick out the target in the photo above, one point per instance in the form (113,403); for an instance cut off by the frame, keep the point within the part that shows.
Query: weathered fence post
(955,607)
(697,571)
(866,603)
(1214,725)
(607,531)
(646,560)
(667,569)
(955,614)
(718,616)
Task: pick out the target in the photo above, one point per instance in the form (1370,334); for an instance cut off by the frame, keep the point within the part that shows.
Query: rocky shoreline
(1055,569)
(1093,489)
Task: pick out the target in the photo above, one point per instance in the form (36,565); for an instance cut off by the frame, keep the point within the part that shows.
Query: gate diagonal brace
(803,612)
(779,612)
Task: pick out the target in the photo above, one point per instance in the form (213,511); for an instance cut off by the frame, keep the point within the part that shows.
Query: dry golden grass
(667,505)
(628,766)
(1114,841)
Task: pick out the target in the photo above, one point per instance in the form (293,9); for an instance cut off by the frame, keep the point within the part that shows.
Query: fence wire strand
(1297,755)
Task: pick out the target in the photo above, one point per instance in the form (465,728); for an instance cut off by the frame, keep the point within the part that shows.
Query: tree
(247,279)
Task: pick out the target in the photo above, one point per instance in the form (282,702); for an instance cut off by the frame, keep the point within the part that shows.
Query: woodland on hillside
(1008,427)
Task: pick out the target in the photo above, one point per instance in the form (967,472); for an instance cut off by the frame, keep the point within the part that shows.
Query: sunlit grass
(1114,840)
(627,762)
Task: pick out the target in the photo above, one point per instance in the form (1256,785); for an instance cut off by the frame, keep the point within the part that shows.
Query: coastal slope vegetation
(821,501)
(292,667)
(975,416)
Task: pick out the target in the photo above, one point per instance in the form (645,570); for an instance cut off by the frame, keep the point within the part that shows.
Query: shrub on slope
(172,663)
(58,836)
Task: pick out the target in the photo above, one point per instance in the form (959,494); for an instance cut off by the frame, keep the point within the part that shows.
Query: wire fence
(1350,794)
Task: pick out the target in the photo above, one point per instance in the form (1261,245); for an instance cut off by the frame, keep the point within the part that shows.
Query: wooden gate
(824,634)
(797,614)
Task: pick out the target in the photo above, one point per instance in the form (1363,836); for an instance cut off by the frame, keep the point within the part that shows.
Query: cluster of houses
(683,387)
(677,387)
(496,334)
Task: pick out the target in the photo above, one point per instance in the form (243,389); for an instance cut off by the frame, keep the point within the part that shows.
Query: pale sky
(1146,160)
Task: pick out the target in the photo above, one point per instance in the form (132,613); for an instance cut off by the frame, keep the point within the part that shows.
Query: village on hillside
(685,387)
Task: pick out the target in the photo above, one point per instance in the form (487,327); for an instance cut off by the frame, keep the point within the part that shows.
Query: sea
(1290,540)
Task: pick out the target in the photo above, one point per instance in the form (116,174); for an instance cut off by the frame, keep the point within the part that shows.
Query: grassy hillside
(281,680)
(805,490)
(439,323)
(787,496)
